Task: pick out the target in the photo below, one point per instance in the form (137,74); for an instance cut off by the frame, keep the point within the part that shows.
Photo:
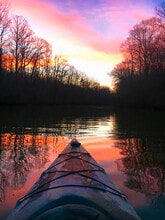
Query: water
(129,144)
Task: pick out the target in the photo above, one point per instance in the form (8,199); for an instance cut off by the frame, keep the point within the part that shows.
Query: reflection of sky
(46,149)
(95,28)
(105,127)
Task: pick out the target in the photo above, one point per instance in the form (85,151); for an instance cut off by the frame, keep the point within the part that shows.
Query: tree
(22,39)
(60,67)
(143,44)
(161,10)
(72,77)
(139,78)
(4,31)
(40,60)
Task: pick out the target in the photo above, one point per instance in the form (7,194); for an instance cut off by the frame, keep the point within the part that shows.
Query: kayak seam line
(116,192)
(73,172)
(77,171)
(72,157)
(71,185)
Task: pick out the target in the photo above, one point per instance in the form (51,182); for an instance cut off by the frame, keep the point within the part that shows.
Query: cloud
(102,26)
(47,19)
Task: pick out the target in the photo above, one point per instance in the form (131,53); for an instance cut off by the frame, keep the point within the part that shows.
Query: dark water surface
(129,144)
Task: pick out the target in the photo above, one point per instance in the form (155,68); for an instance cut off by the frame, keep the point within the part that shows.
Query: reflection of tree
(20,154)
(3,184)
(143,162)
(19,160)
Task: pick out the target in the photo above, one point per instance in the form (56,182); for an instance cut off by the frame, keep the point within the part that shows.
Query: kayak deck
(74,187)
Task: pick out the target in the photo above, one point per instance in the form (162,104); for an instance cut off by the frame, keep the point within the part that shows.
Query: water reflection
(130,145)
(59,121)
(21,154)
(144,165)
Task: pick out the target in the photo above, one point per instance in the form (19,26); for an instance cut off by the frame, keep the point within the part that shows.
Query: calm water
(130,145)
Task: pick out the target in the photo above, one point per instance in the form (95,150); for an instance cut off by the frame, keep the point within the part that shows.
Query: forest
(31,74)
(140,78)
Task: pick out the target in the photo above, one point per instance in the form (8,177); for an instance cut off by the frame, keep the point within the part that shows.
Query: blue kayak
(74,187)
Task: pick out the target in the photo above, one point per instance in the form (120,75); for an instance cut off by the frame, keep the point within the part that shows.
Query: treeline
(140,78)
(23,90)
(29,74)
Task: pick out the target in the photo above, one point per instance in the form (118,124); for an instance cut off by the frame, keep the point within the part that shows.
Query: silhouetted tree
(4,31)
(38,79)
(139,78)
(144,47)
(161,10)
(21,43)
(41,58)
(60,67)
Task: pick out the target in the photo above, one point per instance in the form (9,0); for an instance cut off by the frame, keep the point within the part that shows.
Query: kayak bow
(74,187)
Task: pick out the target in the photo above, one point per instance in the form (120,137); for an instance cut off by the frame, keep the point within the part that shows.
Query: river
(128,144)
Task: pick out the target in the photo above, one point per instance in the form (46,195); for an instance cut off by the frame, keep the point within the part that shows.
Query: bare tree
(161,10)
(21,43)
(60,68)
(4,31)
(41,57)
(144,61)
(144,46)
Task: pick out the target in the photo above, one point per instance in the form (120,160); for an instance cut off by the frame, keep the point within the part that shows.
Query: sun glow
(96,64)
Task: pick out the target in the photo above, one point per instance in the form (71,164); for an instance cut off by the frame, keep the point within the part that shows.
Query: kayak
(74,187)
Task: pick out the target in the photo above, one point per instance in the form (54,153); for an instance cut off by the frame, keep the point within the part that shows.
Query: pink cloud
(73,27)
(119,17)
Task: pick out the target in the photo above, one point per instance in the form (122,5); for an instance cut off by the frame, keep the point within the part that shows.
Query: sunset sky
(88,32)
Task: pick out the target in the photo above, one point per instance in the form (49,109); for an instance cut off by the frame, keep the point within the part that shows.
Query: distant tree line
(139,79)
(29,74)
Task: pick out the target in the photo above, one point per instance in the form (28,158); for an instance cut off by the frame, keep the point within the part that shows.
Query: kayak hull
(74,187)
